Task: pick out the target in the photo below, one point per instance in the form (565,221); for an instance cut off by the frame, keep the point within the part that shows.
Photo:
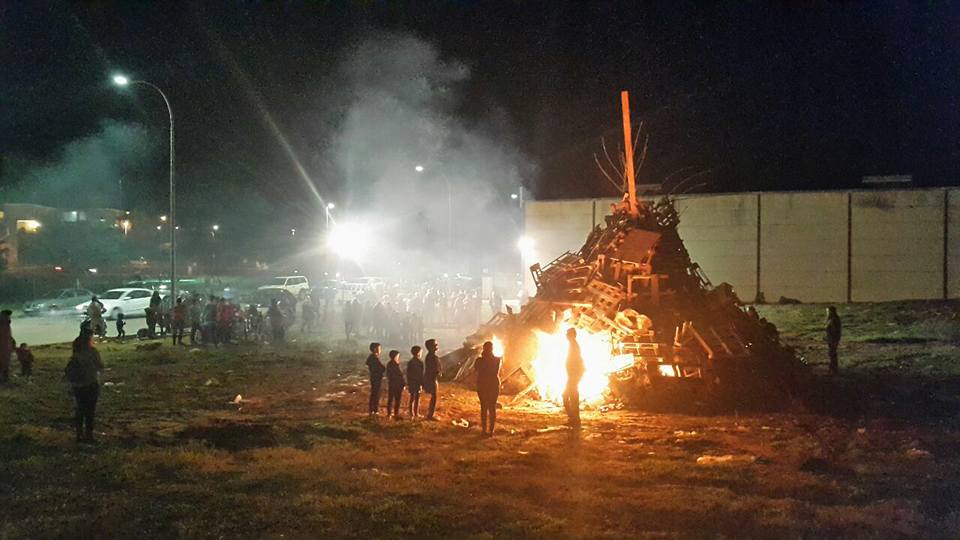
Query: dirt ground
(871,453)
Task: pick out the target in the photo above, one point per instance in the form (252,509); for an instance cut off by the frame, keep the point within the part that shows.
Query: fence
(850,246)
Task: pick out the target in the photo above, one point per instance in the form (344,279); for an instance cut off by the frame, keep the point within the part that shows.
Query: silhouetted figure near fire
(834,330)
(414,380)
(431,375)
(575,369)
(376,378)
(488,386)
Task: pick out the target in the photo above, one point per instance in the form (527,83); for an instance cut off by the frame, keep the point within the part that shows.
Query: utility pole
(628,153)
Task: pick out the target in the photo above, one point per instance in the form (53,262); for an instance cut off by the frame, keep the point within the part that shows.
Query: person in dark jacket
(575,369)
(488,386)
(834,330)
(277,322)
(414,380)
(431,375)
(6,344)
(83,374)
(395,384)
(179,321)
(25,357)
(121,325)
(376,378)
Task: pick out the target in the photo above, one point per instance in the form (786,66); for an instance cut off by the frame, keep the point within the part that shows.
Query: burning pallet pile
(646,314)
(648,318)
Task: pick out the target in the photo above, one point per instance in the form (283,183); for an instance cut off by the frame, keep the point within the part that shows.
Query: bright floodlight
(525,244)
(514,196)
(216,227)
(419,168)
(120,80)
(349,240)
(331,206)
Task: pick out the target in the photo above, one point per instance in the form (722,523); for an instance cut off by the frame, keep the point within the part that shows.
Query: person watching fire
(575,369)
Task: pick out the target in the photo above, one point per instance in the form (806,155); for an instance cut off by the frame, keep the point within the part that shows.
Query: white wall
(896,238)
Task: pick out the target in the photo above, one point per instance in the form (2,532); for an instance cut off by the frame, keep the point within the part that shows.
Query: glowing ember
(666,370)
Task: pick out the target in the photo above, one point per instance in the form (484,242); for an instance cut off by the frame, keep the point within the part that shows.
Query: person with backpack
(83,374)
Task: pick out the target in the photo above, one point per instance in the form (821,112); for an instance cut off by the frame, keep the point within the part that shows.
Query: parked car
(129,301)
(56,301)
(298,286)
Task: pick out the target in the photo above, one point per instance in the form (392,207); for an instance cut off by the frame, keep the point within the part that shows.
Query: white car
(129,301)
(298,286)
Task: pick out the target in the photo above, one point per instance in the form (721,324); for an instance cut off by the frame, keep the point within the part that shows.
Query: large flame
(550,371)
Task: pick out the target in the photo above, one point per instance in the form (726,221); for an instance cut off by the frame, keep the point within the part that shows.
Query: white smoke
(397,109)
(104,169)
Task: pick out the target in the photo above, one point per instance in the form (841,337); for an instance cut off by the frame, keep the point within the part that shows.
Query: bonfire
(647,318)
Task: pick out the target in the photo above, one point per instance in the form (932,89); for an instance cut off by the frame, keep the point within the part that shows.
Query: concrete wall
(896,241)
(803,246)
(897,245)
(720,232)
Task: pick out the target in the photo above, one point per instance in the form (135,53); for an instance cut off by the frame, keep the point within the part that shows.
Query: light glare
(349,240)
(120,80)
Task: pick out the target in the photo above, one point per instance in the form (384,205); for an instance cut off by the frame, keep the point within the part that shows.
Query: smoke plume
(105,169)
(397,112)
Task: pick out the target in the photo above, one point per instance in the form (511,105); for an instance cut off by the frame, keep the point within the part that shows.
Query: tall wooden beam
(628,154)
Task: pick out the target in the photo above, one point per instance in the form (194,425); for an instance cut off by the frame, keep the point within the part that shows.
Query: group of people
(419,376)
(424,376)
(381,320)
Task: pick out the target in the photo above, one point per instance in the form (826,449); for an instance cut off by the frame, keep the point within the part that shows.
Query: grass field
(872,453)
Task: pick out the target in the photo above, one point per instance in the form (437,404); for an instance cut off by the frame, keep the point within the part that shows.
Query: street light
(123,81)
(326,212)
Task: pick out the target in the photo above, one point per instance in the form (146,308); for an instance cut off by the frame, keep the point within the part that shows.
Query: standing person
(376,378)
(395,384)
(153,314)
(95,313)
(25,357)
(834,330)
(121,325)
(348,318)
(414,381)
(195,312)
(307,314)
(276,318)
(210,321)
(488,386)
(179,321)
(575,369)
(83,373)
(431,376)
(6,345)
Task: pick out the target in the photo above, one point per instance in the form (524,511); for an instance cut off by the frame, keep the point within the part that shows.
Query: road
(61,328)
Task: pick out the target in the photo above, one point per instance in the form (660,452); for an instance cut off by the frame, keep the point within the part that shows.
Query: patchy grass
(179,456)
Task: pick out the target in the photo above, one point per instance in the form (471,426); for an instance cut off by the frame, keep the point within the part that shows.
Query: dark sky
(753,95)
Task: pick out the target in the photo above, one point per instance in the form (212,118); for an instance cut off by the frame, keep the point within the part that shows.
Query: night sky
(750,95)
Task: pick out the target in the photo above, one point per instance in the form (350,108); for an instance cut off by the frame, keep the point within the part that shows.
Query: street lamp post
(326,212)
(121,80)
